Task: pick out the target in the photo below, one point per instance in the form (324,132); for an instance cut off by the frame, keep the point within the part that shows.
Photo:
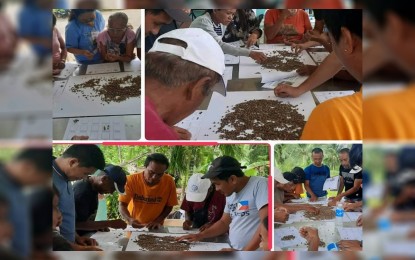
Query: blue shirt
(84,37)
(66,203)
(37,23)
(317,176)
(18,214)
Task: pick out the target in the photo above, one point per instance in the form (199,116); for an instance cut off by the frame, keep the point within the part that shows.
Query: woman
(59,52)
(118,41)
(214,22)
(245,27)
(81,35)
(286,25)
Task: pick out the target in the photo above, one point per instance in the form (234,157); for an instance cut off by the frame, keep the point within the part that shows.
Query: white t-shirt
(243,208)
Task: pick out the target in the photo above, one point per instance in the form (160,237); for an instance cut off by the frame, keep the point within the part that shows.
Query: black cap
(117,174)
(297,175)
(223,164)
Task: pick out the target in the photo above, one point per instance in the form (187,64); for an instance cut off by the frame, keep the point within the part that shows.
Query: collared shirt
(66,202)
(18,213)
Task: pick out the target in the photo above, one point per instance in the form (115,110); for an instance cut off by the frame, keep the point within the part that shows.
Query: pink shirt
(155,127)
(56,46)
(116,48)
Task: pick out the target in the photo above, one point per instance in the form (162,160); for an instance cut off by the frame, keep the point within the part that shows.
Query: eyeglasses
(114,30)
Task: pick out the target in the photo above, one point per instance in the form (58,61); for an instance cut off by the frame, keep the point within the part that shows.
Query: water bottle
(339,214)
(332,247)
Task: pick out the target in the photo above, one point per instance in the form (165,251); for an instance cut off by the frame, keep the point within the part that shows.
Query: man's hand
(118,223)
(359,221)
(313,210)
(252,39)
(205,226)
(285,90)
(350,206)
(89,55)
(311,235)
(183,133)
(298,47)
(154,225)
(85,241)
(190,237)
(306,70)
(313,198)
(332,202)
(281,214)
(111,57)
(258,56)
(187,225)
(135,224)
(349,245)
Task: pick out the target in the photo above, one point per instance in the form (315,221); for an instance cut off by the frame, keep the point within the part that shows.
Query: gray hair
(172,71)
(118,15)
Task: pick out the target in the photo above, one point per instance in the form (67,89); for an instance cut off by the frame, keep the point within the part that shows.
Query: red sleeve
(186,205)
(271,17)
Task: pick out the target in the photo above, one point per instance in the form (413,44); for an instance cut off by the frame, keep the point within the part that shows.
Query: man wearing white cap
(203,204)
(182,68)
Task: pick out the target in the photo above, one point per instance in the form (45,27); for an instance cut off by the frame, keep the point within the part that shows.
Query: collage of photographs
(217,131)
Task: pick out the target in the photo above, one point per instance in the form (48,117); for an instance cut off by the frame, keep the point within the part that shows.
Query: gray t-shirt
(243,208)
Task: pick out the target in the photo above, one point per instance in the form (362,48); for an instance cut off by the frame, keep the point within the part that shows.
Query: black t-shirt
(318,14)
(349,181)
(86,201)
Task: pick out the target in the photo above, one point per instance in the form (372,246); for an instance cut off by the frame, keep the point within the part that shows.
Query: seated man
(86,198)
(297,176)
(351,179)
(315,176)
(149,195)
(281,186)
(202,203)
(246,205)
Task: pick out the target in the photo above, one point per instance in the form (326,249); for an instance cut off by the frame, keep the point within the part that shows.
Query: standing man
(246,205)
(349,179)
(315,176)
(76,163)
(149,195)
(86,198)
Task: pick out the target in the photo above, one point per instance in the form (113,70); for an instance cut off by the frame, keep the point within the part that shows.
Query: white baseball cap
(279,177)
(197,188)
(202,49)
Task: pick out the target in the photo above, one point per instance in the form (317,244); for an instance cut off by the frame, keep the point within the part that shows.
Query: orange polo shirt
(300,21)
(146,203)
(336,119)
(314,4)
(390,116)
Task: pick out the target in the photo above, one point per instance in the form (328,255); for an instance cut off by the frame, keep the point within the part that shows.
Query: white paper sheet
(70,104)
(180,230)
(109,241)
(97,128)
(248,68)
(58,87)
(279,233)
(227,75)
(231,60)
(318,57)
(326,95)
(206,129)
(103,68)
(331,183)
(196,246)
(350,233)
(133,66)
(192,122)
(268,76)
(68,70)
(351,216)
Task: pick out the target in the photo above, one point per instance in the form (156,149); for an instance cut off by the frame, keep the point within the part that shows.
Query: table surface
(328,232)
(132,122)
(255,84)
(119,237)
